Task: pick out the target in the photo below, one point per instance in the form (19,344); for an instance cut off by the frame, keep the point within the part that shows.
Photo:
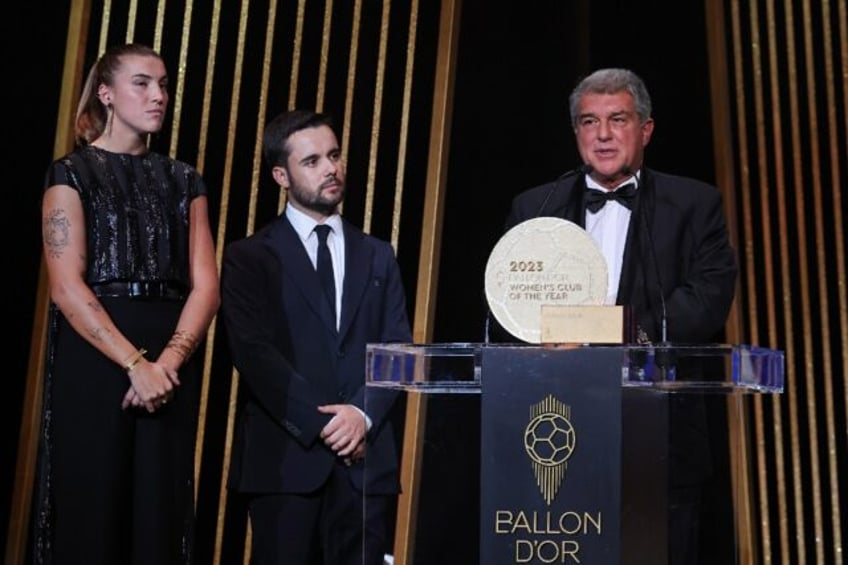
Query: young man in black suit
(299,345)
(666,244)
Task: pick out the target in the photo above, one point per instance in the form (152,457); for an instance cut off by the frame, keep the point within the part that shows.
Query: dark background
(517,63)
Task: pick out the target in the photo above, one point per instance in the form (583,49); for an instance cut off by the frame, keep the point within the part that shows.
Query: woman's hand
(152,385)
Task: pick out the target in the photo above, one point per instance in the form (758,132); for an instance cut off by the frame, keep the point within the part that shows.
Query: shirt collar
(304,225)
(592,183)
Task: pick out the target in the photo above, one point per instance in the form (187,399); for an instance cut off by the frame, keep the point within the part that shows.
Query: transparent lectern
(545,454)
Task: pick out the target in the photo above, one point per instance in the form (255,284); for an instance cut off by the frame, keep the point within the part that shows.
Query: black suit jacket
(291,359)
(677,241)
(691,257)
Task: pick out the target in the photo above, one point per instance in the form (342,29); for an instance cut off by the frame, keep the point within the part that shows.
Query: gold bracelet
(134,360)
(183,342)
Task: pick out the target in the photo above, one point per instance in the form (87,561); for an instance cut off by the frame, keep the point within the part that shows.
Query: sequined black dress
(114,485)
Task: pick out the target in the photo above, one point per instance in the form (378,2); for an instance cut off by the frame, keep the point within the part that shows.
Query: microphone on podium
(653,251)
(663,353)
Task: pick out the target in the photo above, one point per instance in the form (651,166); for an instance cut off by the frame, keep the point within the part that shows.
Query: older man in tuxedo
(666,244)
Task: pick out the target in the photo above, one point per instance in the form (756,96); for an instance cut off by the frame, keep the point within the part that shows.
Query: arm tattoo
(98,334)
(96,306)
(56,227)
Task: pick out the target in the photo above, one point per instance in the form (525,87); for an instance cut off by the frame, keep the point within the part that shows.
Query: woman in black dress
(134,287)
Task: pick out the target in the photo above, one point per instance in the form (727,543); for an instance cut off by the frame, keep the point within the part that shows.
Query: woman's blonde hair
(92,114)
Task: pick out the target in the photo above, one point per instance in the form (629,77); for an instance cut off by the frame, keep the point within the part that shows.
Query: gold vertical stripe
(725,169)
(760,146)
(428,270)
(104,26)
(175,131)
(740,439)
(351,76)
(179,90)
(296,53)
(415,420)
(132,15)
(841,181)
(325,49)
(437,170)
(759,150)
(744,173)
(376,118)
(226,181)
(209,348)
(251,219)
(747,256)
(207,108)
(73,75)
(260,118)
(786,299)
(792,376)
(840,178)
(404,123)
(28,438)
(295,77)
(770,81)
(157,46)
(225,468)
(835,193)
(222,219)
(772,301)
(813,374)
(219,239)
(842,11)
(248,543)
(160,22)
(351,72)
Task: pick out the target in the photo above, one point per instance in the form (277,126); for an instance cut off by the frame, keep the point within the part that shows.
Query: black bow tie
(595,199)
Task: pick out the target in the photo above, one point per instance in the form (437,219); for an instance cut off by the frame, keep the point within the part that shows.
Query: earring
(109,114)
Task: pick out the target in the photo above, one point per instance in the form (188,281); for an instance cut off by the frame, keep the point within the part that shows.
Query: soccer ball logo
(549,439)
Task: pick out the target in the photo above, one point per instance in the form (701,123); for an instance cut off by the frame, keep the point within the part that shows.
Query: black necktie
(596,199)
(324,264)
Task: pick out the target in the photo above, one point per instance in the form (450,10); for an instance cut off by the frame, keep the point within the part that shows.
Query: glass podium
(554,454)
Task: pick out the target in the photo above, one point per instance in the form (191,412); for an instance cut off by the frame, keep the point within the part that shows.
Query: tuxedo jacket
(677,243)
(291,359)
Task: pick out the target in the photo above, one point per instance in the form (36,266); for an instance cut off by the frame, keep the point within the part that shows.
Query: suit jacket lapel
(358,261)
(633,262)
(298,269)
(567,202)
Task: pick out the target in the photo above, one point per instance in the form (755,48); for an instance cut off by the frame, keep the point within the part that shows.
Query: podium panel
(528,454)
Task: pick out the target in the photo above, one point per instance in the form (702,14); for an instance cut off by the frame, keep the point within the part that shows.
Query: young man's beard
(316,202)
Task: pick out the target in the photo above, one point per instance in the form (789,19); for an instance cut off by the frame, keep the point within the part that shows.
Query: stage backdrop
(447,109)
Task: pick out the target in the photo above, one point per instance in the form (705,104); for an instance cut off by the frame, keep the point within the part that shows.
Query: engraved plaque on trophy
(546,282)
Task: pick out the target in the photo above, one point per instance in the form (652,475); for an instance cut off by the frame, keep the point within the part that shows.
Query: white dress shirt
(608,227)
(305,228)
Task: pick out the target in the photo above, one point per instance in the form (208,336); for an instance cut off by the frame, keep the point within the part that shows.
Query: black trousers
(118,484)
(334,525)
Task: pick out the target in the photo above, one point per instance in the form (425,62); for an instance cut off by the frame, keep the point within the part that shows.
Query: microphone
(487,326)
(664,357)
(653,250)
(582,169)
